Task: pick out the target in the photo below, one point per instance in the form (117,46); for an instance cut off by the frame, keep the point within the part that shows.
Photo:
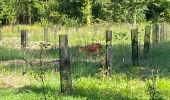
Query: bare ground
(14,81)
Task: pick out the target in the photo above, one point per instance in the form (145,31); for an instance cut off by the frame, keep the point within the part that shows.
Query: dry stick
(147,41)
(65,66)
(134,41)
(108,53)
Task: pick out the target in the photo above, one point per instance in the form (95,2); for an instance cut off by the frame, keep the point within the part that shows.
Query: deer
(94,47)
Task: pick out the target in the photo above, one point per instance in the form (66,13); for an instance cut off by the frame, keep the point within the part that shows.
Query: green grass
(10,54)
(127,83)
(119,87)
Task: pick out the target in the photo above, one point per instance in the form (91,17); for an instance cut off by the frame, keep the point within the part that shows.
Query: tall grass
(127,82)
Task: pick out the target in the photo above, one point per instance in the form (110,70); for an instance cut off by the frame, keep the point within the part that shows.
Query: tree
(8,12)
(86,11)
(83,11)
(158,10)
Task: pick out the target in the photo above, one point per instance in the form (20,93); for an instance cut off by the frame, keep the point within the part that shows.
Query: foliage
(152,89)
(83,11)
(158,10)
(86,11)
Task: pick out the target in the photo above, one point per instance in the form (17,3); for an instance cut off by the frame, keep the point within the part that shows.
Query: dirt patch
(13,81)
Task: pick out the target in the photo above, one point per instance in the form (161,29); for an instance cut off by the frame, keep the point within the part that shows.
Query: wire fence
(83,64)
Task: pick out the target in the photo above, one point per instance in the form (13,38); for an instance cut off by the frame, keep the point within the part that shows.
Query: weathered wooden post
(24,42)
(147,40)
(134,41)
(166,30)
(156,33)
(163,31)
(65,66)
(108,53)
(46,35)
(24,38)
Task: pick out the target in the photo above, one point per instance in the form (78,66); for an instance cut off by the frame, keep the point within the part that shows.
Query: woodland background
(73,12)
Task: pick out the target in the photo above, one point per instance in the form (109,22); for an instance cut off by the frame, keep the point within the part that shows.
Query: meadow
(148,81)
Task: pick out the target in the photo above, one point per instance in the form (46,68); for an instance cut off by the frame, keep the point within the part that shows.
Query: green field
(148,81)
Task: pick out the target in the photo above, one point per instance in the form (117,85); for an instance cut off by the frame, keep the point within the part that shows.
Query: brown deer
(94,47)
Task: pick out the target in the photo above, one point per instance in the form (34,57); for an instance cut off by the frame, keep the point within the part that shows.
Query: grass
(10,54)
(127,83)
(119,87)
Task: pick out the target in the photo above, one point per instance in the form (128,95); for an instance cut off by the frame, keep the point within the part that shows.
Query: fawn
(94,47)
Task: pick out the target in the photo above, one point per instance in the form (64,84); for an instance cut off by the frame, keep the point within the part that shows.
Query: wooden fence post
(46,36)
(65,66)
(166,30)
(147,40)
(134,40)
(108,53)
(24,38)
(163,31)
(156,33)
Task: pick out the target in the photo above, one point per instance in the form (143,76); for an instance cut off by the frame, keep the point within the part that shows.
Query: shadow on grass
(10,54)
(37,90)
(105,94)
(93,94)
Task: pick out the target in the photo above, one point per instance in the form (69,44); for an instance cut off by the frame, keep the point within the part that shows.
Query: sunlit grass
(127,82)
